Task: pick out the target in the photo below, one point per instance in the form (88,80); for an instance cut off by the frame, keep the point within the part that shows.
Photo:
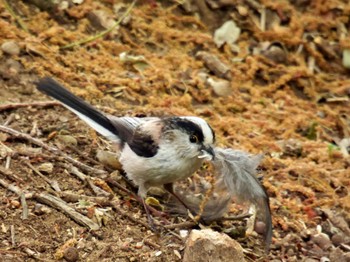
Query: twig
(33,254)
(73,170)
(11,187)
(114,183)
(16,17)
(239,217)
(59,204)
(54,150)
(54,202)
(263,19)
(5,251)
(71,197)
(13,239)
(32,104)
(115,205)
(24,206)
(214,64)
(8,161)
(150,243)
(251,220)
(10,175)
(9,119)
(185,224)
(52,183)
(98,191)
(91,160)
(103,33)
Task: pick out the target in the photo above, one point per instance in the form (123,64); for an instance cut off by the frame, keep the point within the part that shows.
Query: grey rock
(207,245)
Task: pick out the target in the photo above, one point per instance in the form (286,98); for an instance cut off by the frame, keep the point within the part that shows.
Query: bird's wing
(120,129)
(137,136)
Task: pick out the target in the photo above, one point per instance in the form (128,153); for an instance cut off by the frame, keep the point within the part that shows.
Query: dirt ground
(284,93)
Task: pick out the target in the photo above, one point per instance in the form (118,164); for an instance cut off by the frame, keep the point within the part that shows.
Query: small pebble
(68,140)
(346,58)
(11,48)
(71,254)
(108,158)
(322,240)
(260,227)
(15,204)
(221,87)
(337,239)
(183,233)
(242,10)
(40,209)
(46,167)
(139,245)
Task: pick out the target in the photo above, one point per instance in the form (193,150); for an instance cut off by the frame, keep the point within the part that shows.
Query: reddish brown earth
(289,99)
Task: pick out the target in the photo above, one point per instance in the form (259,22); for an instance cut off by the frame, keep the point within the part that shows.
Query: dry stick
(97,191)
(81,154)
(73,198)
(11,187)
(52,183)
(56,203)
(33,254)
(126,214)
(149,243)
(5,251)
(103,33)
(8,161)
(36,104)
(239,217)
(185,224)
(24,206)
(18,192)
(54,150)
(10,175)
(59,204)
(13,239)
(9,119)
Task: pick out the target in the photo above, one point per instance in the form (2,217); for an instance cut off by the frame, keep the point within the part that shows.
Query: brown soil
(288,100)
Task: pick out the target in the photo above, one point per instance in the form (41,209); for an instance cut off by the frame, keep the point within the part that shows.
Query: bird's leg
(143,188)
(149,217)
(137,197)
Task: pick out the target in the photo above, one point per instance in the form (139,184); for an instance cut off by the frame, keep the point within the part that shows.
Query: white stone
(207,245)
(227,33)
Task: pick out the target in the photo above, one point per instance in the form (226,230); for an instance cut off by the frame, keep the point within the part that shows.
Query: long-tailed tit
(154,151)
(159,151)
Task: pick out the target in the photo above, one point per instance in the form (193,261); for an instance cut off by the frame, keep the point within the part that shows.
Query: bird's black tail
(82,109)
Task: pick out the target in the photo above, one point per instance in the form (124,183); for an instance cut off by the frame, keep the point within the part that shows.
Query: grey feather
(237,170)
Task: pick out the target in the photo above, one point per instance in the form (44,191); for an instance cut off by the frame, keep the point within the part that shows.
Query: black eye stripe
(186,125)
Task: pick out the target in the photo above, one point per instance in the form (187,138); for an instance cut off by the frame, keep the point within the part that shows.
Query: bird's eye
(193,139)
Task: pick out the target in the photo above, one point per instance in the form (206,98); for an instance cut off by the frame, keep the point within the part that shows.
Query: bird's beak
(207,152)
